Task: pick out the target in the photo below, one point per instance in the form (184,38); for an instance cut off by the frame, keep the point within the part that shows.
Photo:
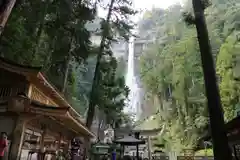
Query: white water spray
(134,95)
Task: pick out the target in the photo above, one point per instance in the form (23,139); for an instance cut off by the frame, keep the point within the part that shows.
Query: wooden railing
(5,92)
(8,91)
(195,158)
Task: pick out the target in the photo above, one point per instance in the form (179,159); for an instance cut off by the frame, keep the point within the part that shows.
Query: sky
(143,5)
(147,5)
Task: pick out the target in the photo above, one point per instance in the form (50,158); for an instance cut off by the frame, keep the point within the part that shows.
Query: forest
(171,70)
(54,34)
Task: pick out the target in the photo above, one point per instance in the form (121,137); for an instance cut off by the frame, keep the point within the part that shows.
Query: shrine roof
(10,64)
(59,114)
(231,127)
(37,104)
(62,115)
(129,140)
(149,124)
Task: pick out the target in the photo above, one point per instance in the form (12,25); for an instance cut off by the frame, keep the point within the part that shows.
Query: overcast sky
(147,5)
(143,5)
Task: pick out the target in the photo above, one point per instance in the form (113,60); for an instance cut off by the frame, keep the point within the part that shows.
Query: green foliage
(112,91)
(148,124)
(207,152)
(171,69)
(122,67)
(226,65)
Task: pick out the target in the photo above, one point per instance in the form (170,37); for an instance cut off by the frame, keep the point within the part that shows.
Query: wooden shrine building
(233,134)
(34,114)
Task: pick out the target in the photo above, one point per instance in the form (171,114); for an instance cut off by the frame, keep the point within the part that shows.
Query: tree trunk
(39,31)
(92,102)
(5,13)
(67,67)
(185,92)
(66,72)
(160,98)
(99,129)
(220,142)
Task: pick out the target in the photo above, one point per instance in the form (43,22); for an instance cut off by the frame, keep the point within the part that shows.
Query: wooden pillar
(41,152)
(149,148)
(66,147)
(58,146)
(30,88)
(137,154)
(17,139)
(121,151)
(59,141)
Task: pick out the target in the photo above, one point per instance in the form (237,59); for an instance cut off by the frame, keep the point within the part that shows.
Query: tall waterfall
(134,95)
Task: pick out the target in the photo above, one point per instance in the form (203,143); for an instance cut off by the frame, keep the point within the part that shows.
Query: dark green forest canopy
(53,34)
(171,70)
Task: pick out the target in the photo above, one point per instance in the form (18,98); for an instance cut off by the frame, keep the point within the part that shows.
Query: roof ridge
(11,62)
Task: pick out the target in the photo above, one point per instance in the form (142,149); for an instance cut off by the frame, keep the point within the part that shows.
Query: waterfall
(132,106)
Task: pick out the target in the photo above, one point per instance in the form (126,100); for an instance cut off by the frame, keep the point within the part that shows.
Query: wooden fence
(194,158)
(183,158)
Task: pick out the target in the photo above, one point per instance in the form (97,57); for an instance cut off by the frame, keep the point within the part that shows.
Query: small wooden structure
(130,141)
(100,149)
(145,134)
(150,129)
(34,114)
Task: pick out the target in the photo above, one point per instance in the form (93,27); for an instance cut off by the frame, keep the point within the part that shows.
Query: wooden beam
(29,94)
(53,127)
